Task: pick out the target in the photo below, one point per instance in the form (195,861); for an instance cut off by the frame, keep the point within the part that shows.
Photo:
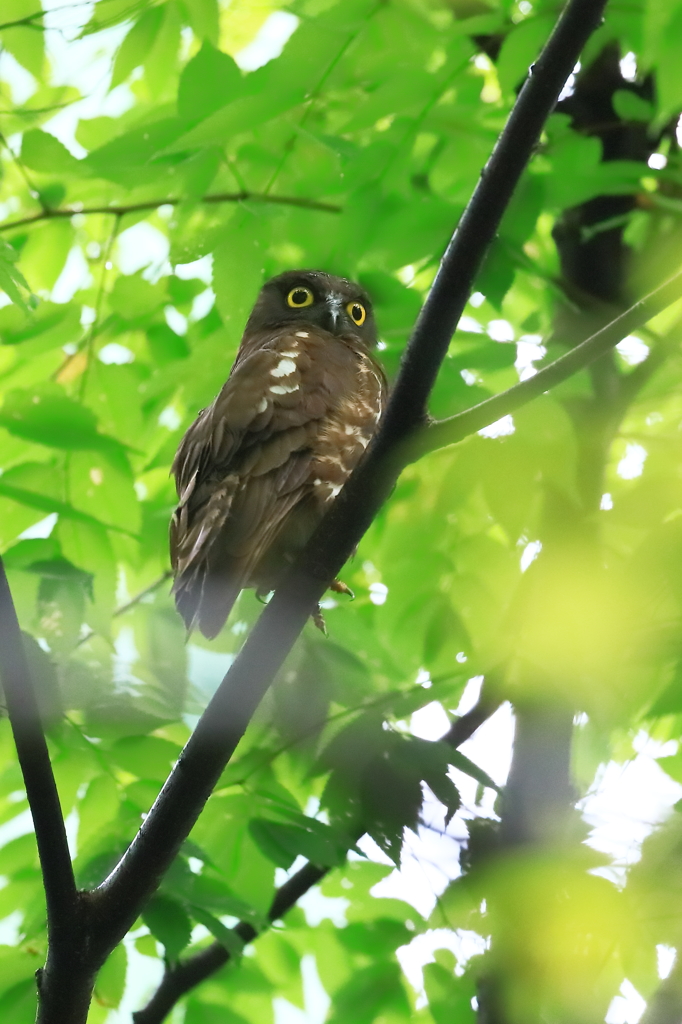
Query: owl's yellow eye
(357,312)
(300,297)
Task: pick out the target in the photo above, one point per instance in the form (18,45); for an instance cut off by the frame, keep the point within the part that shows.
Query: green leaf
(48,326)
(464,764)
(371,991)
(147,757)
(12,281)
(43,152)
(209,81)
(135,47)
(282,843)
(204,19)
(169,922)
(16,856)
(669,701)
(24,42)
(43,673)
(519,50)
(208,890)
(54,420)
(209,1013)
(449,997)
(227,937)
(133,298)
(47,504)
(631,107)
(112,978)
(98,807)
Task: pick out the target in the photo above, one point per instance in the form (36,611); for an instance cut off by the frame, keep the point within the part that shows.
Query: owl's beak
(335,305)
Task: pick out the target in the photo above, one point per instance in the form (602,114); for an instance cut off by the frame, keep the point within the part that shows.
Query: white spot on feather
(284,368)
(302,334)
(334,489)
(262,405)
(189,488)
(282,389)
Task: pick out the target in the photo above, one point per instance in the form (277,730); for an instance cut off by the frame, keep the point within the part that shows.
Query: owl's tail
(207,578)
(205,598)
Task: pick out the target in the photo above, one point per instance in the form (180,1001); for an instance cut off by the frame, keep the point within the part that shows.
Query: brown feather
(257,468)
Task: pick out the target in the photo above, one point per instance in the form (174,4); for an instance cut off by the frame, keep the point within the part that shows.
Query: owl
(258,468)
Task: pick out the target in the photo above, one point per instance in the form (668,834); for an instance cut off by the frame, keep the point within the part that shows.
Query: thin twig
(88,343)
(441,433)
(120,897)
(120,210)
(123,608)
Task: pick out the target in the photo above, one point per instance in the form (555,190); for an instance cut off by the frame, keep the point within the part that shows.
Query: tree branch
(665,1005)
(41,790)
(487,704)
(441,433)
(119,899)
(182,977)
(120,210)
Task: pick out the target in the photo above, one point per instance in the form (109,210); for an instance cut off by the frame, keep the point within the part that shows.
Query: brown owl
(258,468)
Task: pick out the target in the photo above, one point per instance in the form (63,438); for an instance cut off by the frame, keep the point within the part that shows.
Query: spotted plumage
(258,468)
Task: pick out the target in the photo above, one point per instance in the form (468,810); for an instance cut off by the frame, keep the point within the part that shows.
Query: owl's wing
(240,470)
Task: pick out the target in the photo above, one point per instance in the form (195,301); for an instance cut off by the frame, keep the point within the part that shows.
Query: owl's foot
(339,587)
(318,619)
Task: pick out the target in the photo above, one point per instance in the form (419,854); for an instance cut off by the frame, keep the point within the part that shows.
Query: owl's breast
(346,431)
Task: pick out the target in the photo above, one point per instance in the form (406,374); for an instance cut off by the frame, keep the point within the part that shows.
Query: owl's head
(321,300)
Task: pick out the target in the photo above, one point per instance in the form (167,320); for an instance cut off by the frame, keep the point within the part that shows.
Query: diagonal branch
(181,978)
(121,209)
(41,789)
(445,432)
(120,897)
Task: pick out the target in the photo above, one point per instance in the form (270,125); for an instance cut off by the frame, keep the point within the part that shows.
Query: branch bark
(64,906)
(118,900)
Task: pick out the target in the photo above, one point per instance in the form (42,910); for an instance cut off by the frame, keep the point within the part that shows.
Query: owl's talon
(339,587)
(319,620)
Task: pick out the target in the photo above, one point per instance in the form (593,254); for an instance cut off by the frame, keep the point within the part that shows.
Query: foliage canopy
(549,544)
